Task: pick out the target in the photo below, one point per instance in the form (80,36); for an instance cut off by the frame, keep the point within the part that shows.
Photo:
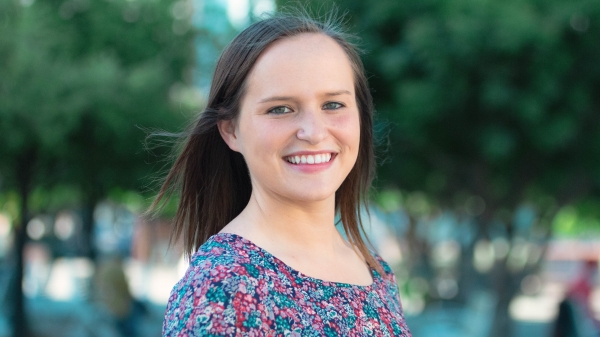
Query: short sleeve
(216,301)
(392,293)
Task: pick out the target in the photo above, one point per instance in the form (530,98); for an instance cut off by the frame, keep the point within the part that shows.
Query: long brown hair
(213,180)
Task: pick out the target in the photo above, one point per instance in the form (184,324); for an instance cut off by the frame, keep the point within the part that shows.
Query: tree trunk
(502,325)
(87,237)
(24,176)
(18,314)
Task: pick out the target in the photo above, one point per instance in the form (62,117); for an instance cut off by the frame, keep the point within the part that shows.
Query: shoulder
(389,273)
(216,294)
(389,278)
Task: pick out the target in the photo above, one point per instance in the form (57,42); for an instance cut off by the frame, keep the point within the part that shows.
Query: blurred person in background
(575,314)
(111,291)
(284,144)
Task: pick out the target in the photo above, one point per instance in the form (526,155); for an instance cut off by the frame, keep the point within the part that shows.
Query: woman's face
(298,127)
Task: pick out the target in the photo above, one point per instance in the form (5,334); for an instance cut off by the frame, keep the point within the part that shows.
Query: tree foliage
(79,80)
(498,99)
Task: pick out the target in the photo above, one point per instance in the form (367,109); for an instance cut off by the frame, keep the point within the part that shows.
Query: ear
(228,133)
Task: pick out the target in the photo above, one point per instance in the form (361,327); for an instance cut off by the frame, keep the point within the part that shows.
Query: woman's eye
(332,106)
(278,110)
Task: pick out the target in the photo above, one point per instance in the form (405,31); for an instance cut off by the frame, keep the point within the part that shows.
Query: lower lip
(311,168)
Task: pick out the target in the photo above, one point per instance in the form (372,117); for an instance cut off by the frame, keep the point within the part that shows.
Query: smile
(309,159)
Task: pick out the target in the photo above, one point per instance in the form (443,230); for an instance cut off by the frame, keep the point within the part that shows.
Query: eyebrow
(289,98)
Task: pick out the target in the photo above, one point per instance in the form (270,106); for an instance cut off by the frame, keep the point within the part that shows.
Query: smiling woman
(284,144)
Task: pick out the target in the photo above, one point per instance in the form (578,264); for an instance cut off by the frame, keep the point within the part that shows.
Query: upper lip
(308,153)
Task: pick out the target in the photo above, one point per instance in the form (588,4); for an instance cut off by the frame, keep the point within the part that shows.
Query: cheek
(261,138)
(348,129)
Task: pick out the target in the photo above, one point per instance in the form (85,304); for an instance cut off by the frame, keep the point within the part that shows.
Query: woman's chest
(310,309)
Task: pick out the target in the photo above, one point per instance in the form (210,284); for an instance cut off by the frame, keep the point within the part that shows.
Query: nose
(312,127)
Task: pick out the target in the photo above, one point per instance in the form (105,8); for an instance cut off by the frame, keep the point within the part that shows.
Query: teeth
(310,159)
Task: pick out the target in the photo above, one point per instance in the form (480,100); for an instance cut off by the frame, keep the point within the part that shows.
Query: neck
(287,227)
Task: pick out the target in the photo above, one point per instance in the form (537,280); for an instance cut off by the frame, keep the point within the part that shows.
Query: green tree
(493,100)
(79,79)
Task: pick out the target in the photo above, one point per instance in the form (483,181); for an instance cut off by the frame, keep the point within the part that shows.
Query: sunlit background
(487,201)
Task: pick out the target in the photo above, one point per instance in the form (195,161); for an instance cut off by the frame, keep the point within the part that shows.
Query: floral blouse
(235,288)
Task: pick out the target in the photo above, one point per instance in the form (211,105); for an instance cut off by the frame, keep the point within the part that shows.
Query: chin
(313,196)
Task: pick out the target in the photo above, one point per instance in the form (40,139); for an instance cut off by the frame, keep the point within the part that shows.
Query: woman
(284,144)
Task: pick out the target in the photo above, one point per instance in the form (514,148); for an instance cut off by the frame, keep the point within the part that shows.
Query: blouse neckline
(374,274)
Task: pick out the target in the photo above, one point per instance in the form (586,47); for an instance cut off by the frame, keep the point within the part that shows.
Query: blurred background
(487,201)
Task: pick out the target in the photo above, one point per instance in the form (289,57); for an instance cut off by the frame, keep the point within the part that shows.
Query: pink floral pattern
(235,288)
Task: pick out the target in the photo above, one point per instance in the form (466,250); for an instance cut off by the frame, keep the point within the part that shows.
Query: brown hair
(213,180)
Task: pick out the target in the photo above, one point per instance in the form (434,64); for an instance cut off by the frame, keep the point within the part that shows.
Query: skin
(300,100)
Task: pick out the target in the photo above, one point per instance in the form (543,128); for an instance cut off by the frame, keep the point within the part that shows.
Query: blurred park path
(80,319)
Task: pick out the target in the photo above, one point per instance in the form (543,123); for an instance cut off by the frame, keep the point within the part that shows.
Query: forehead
(302,62)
